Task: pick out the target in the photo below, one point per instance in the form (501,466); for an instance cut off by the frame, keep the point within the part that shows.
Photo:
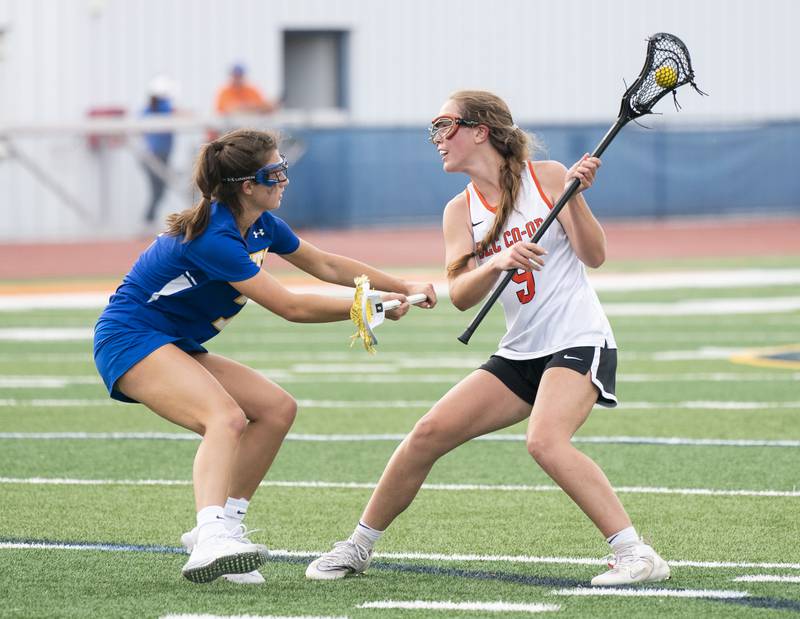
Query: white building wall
(552,61)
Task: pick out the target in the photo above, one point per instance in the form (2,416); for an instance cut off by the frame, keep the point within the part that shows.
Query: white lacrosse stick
(369,311)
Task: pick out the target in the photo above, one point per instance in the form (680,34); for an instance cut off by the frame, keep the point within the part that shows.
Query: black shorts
(523,377)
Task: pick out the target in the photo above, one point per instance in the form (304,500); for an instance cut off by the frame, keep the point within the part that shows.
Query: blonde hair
(235,154)
(512,143)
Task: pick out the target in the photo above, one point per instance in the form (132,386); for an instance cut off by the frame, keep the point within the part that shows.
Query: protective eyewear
(270,175)
(446,126)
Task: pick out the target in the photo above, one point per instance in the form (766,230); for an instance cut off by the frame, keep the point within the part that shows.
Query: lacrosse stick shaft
(412,298)
(569,192)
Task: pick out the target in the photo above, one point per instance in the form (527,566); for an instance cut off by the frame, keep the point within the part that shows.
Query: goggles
(446,126)
(270,175)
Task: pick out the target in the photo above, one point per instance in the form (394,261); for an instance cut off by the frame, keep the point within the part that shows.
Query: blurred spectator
(240,97)
(159,145)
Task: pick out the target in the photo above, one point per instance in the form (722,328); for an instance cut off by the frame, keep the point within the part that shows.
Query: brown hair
(235,154)
(511,142)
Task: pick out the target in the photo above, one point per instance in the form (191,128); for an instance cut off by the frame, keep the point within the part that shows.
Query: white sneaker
(189,539)
(633,563)
(222,554)
(347,557)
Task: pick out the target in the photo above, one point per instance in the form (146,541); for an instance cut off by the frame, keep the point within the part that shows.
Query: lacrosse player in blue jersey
(182,291)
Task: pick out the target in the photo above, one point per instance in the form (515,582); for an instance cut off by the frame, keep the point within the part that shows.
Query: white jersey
(548,310)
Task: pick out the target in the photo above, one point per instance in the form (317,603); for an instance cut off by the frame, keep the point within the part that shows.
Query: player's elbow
(594,260)
(290,309)
(593,255)
(460,300)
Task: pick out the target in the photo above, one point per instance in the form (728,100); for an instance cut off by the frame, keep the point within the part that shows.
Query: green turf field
(90,521)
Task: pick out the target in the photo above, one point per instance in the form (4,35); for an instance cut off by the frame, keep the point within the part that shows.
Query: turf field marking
(766,578)
(352,485)
(603,281)
(45,334)
(366,438)
(489,607)
(429,361)
(377,404)
(705,307)
(675,593)
(14,381)
(207,616)
(396,556)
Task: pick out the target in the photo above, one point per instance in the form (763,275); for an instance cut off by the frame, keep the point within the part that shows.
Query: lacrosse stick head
(367,313)
(667,67)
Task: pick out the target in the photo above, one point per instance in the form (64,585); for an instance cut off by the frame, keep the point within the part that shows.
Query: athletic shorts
(523,376)
(118,347)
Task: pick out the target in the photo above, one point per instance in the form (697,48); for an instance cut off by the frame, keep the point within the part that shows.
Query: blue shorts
(118,347)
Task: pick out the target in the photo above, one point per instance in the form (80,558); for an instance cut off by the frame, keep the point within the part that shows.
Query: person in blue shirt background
(159,145)
(183,290)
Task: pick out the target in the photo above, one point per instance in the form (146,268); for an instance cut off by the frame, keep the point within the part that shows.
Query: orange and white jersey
(548,310)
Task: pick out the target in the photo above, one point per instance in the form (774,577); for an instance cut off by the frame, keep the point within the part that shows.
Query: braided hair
(512,143)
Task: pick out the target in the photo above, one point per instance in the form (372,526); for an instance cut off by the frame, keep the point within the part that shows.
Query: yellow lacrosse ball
(666,76)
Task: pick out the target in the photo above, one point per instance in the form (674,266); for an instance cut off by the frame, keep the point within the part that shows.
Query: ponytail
(235,154)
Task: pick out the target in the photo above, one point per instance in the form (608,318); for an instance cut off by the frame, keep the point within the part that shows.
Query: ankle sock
(626,536)
(210,521)
(235,511)
(365,536)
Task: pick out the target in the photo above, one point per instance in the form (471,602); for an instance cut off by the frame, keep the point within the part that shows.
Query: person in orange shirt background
(240,97)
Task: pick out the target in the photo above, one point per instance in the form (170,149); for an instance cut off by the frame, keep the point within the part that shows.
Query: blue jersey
(182,290)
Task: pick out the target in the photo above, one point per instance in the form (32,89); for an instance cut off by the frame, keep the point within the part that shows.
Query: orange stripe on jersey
(466,193)
(486,205)
(539,187)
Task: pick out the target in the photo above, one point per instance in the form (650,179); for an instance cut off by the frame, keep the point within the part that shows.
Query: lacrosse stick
(369,311)
(666,68)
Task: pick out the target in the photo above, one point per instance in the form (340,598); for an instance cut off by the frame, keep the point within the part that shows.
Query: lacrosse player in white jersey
(558,356)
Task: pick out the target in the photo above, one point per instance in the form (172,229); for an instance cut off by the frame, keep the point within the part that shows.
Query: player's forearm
(469,288)
(342,270)
(587,237)
(315,308)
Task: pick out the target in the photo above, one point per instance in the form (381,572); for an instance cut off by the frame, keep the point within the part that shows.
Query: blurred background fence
(359,82)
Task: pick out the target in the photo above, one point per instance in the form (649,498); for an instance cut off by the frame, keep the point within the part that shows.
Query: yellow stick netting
(360,307)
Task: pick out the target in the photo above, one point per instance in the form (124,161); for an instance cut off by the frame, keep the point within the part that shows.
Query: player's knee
(541,447)
(285,413)
(426,438)
(230,420)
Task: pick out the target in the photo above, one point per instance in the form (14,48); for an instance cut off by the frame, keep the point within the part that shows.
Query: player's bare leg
(270,412)
(194,399)
(563,403)
(477,405)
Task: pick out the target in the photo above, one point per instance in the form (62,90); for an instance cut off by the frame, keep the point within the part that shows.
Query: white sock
(235,511)
(210,521)
(365,536)
(626,536)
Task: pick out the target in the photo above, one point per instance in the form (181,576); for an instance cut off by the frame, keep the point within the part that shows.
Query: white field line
(419,360)
(673,593)
(601,281)
(425,556)
(699,307)
(368,438)
(729,278)
(359,376)
(207,616)
(767,578)
(408,404)
(488,607)
(351,485)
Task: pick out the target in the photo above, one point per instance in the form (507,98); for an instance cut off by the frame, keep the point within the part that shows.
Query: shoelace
(240,532)
(347,554)
(625,556)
